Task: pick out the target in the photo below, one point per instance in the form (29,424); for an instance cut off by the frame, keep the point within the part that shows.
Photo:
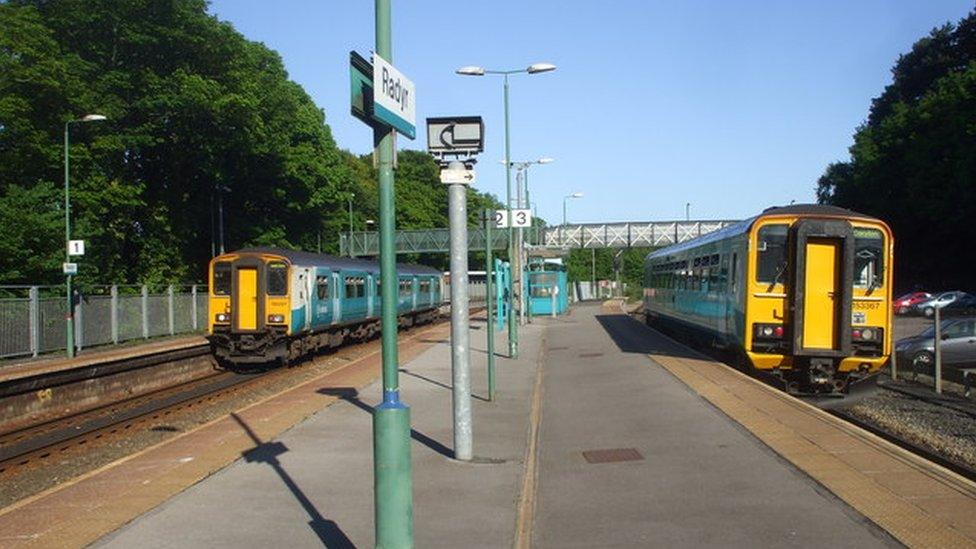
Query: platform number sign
(76,247)
(501,219)
(520,218)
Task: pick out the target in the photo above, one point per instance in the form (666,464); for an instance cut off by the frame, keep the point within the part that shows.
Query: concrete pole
(552,297)
(460,351)
(115,313)
(35,320)
(938,351)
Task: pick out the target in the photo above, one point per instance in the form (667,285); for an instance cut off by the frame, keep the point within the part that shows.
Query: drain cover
(612,455)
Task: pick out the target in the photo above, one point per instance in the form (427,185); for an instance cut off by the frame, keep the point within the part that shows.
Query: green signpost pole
(392,482)
(490,303)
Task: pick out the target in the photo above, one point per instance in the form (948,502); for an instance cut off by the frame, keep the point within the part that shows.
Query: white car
(928,307)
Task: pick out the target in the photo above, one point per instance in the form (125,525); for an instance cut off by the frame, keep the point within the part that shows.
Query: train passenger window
(406,287)
(221,278)
(355,287)
(379,287)
(868,257)
(277,278)
(772,250)
(322,287)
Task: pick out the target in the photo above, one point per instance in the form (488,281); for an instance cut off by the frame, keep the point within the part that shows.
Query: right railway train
(800,293)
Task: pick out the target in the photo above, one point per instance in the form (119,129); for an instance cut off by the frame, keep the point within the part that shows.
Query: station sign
(394,98)
(76,247)
(69,268)
(457,177)
(458,135)
(361,87)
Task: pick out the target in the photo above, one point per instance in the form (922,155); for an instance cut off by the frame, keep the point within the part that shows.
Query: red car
(904,303)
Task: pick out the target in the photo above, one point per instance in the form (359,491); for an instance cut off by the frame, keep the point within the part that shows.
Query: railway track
(959,406)
(34,445)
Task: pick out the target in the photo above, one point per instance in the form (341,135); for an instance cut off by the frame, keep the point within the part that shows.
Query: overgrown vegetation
(193,109)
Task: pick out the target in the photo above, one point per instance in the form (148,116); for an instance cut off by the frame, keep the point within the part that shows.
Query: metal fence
(32,318)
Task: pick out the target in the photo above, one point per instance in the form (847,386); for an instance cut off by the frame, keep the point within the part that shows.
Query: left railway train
(276,305)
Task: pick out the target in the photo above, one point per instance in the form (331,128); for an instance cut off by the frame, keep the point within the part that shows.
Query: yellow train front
(276,305)
(801,293)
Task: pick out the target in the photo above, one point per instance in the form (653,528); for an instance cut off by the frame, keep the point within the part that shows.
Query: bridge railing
(574,235)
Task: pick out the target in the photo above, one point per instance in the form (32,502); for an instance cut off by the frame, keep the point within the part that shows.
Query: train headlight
(769,331)
(276,319)
(866,334)
(222,318)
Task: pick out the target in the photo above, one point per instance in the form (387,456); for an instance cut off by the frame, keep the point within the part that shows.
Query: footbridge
(558,237)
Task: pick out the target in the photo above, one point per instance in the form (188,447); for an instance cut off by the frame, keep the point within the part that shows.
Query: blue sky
(729,106)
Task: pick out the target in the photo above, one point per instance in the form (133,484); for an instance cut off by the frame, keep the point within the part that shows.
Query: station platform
(13,370)
(604,433)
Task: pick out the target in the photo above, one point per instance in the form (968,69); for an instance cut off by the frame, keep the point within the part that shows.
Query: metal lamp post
(513,248)
(565,198)
(351,196)
(69,316)
(522,175)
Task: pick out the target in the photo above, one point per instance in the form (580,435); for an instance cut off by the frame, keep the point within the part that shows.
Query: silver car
(929,306)
(958,346)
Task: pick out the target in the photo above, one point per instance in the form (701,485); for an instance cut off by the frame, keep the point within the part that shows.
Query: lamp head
(93,118)
(540,67)
(545,160)
(471,70)
(576,195)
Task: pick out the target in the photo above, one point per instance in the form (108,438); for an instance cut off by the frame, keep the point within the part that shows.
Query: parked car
(963,306)
(928,307)
(904,304)
(958,346)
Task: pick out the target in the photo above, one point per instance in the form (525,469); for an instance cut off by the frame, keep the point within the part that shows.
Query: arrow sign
(457,177)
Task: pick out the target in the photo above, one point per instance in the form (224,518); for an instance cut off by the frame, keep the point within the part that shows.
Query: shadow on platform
(328,532)
(631,336)
(351,395)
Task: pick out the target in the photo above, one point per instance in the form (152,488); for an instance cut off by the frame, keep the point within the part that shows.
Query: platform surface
(604,434)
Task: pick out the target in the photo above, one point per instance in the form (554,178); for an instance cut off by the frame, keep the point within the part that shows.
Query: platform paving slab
(702,480)
(314,484)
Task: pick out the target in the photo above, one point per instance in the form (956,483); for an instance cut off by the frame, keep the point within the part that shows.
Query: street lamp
(351,196)
(522,190)
(562,238)
(687,211)
(69,315)
(516,279)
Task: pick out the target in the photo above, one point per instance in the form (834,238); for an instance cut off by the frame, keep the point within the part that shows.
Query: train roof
(745,225)
(298,257)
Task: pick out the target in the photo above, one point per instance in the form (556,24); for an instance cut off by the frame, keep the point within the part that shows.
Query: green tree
(913,163)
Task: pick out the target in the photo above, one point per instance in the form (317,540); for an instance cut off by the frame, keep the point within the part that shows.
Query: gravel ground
(947,432)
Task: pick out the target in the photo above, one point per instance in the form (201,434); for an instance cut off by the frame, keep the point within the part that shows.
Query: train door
(369,287)
(414,289)
(336,298)
(247,298)
(822,287)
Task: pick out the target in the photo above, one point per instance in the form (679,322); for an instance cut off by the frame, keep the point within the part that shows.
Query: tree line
(197,117)
(913,161)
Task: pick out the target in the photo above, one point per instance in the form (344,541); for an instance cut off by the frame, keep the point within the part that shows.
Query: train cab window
(772,250)
(221,278)
(277,278)
(322,287)
(868,257)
